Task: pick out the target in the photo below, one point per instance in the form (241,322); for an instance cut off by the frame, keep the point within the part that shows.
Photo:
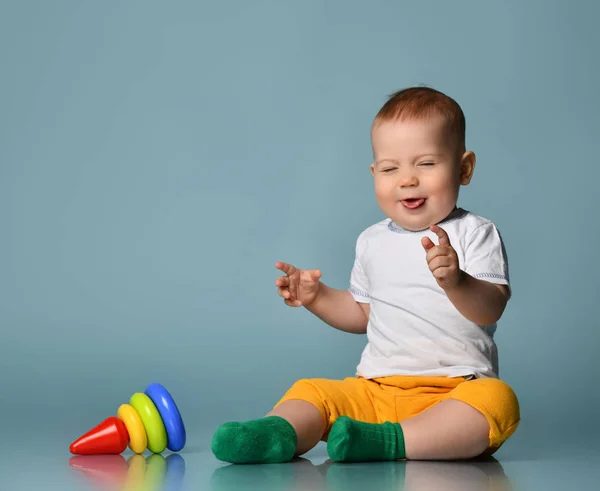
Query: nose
(408,180)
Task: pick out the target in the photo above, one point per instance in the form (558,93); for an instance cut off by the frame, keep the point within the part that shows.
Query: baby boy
(428,286)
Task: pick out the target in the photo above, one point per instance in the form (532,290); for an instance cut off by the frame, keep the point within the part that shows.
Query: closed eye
(426,163)
(389,170)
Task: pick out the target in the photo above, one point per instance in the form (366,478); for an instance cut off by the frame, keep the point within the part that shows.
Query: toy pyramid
(150,421)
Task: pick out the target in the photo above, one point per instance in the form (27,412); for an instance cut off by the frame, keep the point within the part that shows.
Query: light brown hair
(422,102)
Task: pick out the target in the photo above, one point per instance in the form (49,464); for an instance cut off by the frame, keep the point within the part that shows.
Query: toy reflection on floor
(150,421)
(155,473)
(300,474)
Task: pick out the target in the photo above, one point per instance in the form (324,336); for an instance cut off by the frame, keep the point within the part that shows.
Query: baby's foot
(350,440)
(266,440)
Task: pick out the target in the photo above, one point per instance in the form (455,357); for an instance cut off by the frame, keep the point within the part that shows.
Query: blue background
(157,159)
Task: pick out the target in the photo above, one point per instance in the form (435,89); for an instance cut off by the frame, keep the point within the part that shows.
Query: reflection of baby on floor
(456,476)
(411,475)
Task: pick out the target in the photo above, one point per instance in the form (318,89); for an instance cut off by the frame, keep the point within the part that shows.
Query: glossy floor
(525,464)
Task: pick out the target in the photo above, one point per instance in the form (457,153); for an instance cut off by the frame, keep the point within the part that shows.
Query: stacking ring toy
(135,427)
(155,429)
(170,416)
(150,420)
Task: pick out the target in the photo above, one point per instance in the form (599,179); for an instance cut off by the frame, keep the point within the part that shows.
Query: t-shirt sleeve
(359,282)
(485,255)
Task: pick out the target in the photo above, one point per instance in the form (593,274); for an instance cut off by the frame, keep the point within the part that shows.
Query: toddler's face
(418,171)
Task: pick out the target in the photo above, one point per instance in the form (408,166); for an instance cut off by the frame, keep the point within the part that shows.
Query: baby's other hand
(442,259)
(299,287)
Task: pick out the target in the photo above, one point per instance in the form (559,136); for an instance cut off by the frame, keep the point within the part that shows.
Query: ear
(467,166)
(372,167)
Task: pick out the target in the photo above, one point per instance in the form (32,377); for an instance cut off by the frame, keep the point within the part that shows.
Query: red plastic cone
(109,437)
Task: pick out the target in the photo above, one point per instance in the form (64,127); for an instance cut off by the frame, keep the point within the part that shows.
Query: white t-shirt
(413,327)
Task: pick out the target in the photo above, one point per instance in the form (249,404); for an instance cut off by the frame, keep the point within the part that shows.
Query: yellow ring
(138,441)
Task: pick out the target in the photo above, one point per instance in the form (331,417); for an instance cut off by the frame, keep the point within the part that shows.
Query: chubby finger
(285,267)
(284,292)
(312,275)
(293,303)
(282,281)
(440,262)
(427,243)
(441,233)
(438,251)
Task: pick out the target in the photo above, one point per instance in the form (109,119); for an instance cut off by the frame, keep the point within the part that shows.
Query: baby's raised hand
(442,259)
(299,287)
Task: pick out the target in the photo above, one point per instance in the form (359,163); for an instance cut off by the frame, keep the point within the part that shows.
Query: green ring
(155,428)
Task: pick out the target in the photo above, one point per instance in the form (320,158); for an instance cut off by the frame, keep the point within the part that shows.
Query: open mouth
(413,203)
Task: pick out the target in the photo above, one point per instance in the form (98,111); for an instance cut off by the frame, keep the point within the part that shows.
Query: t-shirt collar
(455,214)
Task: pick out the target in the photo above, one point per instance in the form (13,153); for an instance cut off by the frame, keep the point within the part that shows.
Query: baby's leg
(296,424)
(447,431)
(475,419)
(307,421)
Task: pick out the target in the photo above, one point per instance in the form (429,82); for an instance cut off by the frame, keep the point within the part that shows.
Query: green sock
(354,441)
(260,441)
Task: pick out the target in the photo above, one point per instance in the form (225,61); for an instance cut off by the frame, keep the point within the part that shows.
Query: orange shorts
(397,398)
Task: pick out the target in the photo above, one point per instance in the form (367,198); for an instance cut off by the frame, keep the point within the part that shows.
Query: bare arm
(303,288)
(479,301)
(339,309)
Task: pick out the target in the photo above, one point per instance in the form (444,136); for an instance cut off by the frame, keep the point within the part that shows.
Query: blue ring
(170,415)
